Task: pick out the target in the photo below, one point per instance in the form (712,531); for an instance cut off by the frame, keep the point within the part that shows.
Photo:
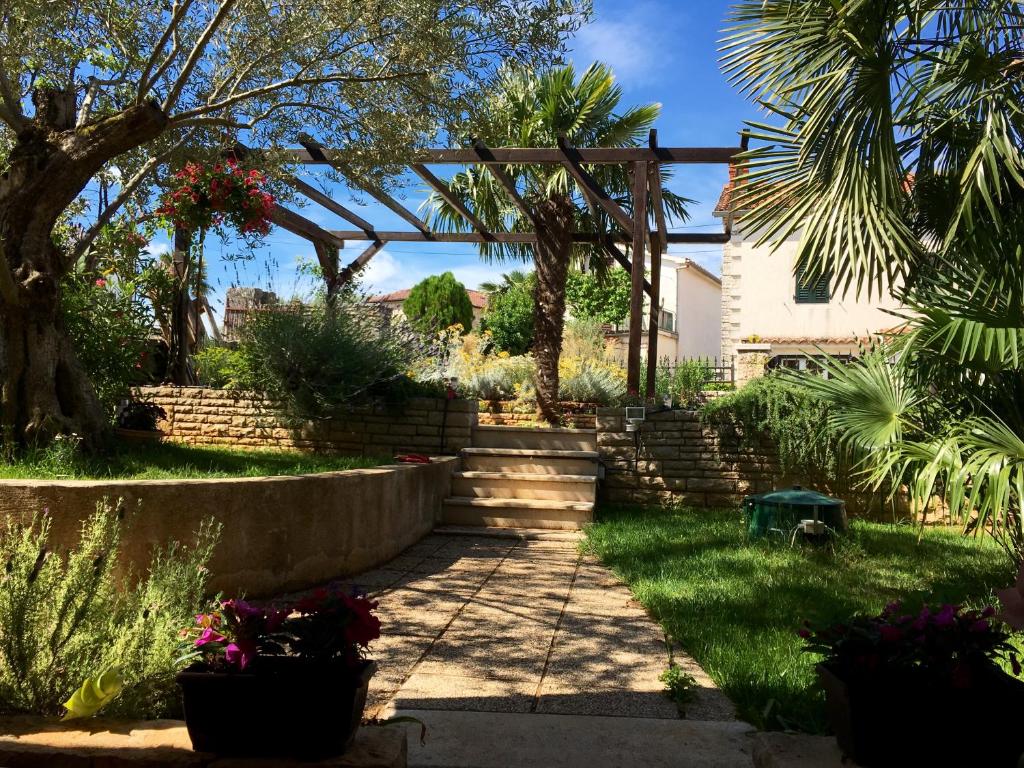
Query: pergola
(632,230)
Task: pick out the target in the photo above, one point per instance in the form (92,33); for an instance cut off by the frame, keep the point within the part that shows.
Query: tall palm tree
(530,109)
(899,156)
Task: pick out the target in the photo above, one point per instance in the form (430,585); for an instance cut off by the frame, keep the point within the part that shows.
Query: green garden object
(783,511)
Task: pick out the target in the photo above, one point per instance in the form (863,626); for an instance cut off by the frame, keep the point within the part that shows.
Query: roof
(477,298)
(691,264)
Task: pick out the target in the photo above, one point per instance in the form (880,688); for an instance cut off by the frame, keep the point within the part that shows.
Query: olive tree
(112,89)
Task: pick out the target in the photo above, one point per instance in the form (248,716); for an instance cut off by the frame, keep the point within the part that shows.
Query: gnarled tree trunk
(43,388)
(555,222)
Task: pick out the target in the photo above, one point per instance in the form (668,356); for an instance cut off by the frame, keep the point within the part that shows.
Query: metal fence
(720,370)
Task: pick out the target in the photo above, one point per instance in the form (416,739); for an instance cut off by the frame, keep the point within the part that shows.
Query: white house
(771,318)
(690,319)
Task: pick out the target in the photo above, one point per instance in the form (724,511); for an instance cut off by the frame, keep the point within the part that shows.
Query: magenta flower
(240,653)
(209,636)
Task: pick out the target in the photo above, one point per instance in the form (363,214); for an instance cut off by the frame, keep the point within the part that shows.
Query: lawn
(170,461)
(736,606)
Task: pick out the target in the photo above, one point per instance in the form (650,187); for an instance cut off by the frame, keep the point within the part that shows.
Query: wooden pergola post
(659,242)
(636,304)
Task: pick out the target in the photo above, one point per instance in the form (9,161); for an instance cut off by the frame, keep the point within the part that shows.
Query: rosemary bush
(65,617)
(796,423)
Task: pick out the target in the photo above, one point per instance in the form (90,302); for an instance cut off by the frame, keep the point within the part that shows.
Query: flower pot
(918,718)
(139,435)
(278,707)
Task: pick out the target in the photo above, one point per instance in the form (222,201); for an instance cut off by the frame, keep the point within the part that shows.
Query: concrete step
(517,513)
(530,461)
(527,740)
(538,438)
(525,485)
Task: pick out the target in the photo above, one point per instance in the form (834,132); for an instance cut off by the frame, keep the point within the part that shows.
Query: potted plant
(137,421)
(902,688)
(280,681)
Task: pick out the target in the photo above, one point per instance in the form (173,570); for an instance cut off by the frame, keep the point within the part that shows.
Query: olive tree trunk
(555,222)
(43,389)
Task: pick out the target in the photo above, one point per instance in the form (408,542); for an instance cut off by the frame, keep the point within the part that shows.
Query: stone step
(517,513)
(530,461)
(527,740)
(539,438)
(525,485)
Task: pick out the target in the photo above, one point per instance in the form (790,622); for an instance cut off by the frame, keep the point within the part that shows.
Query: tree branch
(196,54)
(145,81)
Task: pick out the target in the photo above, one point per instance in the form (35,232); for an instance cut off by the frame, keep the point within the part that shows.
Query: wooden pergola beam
(405,236)
(359,262)
(313,154)
(326,157)
(622,260)
(329,203)
(449,197)
(636,303)
(299,225)
(591,189)
(657,203)
(483,154)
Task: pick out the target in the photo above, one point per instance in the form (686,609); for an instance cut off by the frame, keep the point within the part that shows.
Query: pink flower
(209,635)
(100,282)
(240,653)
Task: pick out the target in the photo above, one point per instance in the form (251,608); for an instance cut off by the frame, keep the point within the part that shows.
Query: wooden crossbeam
(483,154)
(315,155)
(588,184)
(449,197)
(314,148)
(329,203)
(359,262)
(299,225)
(406,236)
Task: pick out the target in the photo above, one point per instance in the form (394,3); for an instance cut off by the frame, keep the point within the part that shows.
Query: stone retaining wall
(280,533)
(200,415)
(679,459)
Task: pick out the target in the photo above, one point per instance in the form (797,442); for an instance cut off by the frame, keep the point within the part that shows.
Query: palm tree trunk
(555,221)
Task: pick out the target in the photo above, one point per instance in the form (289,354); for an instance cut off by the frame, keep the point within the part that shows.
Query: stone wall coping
(194,481)
(753,347)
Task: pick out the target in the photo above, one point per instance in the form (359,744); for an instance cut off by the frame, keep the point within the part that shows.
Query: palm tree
(531,109)
(898,155)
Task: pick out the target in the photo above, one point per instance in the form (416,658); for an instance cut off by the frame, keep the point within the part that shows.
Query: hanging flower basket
(203,197)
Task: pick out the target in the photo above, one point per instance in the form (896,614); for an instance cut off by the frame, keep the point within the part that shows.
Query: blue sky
(660,50)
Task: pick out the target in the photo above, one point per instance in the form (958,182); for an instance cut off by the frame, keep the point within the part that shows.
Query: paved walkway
(526,626)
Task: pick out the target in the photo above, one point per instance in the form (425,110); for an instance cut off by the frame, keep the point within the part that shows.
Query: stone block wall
(204,416)
(678,459)
(500,414)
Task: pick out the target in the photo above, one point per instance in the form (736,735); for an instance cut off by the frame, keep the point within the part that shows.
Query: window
(667,321)
(813,293)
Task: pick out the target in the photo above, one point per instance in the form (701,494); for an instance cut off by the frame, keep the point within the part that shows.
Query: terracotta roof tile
(477,298)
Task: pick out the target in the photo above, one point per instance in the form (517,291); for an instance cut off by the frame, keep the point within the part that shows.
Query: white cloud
(636,45)
(389,272)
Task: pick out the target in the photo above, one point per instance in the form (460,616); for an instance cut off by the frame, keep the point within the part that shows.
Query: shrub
(316,361)
(593,383)
(67,618)
(688,380)
(438,302)
(109,327)
(218,366)
(795,421)
(509,316)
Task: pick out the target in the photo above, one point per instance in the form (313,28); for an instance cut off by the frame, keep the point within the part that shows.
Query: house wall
(698,314)
(758,304)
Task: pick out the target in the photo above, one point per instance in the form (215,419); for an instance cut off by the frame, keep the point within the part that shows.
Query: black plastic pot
(278,707)
(912,718)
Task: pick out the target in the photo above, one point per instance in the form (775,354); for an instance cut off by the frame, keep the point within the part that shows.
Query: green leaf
(94,694)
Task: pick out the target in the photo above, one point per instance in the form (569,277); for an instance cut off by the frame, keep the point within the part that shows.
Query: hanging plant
(203,197)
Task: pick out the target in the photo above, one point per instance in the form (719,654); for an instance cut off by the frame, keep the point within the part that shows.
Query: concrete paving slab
(607,702)
(797,750)
(445,581)
(425,690)
(492,740)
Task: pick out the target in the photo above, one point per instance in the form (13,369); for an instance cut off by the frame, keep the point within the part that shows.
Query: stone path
(487,624)
(517,650)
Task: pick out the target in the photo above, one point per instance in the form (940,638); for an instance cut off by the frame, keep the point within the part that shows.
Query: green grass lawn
(169,460)
(736,606)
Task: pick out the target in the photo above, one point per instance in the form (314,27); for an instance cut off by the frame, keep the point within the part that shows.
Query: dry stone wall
(203,416)
(676,458)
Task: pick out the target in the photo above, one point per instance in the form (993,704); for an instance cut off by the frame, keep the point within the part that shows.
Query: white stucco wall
(698,312)
(758,303)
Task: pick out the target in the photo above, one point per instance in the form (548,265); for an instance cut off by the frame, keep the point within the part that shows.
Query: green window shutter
(817,292)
